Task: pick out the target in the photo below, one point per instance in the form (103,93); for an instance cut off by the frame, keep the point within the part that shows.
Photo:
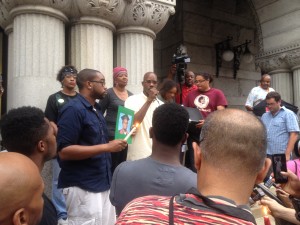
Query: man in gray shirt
(161,173)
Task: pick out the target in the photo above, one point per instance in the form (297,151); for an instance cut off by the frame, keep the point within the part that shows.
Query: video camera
(180,59)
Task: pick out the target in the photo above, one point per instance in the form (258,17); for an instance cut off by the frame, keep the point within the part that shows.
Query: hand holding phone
(279,164)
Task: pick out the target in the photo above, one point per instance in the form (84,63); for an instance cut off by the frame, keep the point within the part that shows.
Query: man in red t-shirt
(187,87)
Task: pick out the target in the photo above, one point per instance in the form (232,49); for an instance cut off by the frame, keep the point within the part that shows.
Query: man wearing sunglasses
(143,105)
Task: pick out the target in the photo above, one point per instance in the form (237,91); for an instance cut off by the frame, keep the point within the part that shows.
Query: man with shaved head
(143,105)
(21,192)
(257,94)
(230,159)
(26,130)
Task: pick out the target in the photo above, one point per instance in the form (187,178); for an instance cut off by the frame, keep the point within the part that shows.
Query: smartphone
(279,164)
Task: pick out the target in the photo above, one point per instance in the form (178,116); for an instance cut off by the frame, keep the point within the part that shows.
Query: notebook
(194,114)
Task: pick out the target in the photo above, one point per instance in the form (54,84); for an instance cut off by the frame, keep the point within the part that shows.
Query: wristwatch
(296,204)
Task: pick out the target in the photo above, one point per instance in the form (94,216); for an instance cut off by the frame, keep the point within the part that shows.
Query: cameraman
(187,87)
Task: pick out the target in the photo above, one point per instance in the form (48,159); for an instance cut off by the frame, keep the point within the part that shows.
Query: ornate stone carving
(281,58)
(151,14)
(63,5)
(123,13)
(259,35)
(293,58)
(160,15)
(6,6)
(109,10)
(271,63)
(4,13)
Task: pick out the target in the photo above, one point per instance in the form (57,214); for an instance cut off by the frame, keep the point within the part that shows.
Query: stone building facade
(44,35)
(40,36)
(37,37)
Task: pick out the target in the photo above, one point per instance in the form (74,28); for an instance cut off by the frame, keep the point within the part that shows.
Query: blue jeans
(58,198)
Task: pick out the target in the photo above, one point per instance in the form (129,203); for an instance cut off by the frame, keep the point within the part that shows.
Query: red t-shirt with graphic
(207,101)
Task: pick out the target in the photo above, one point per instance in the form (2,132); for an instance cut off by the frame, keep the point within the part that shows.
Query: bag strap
(223,209)
(296,168)
(171,211)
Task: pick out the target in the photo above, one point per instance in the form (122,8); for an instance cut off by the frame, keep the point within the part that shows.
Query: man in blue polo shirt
(84,154)
(281,125)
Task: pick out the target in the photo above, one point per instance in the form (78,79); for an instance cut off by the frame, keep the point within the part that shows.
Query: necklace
(72,93)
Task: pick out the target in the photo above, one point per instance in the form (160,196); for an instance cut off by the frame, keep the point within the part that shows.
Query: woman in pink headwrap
(115,96)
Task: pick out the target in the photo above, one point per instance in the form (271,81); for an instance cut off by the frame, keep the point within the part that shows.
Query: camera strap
(220,208)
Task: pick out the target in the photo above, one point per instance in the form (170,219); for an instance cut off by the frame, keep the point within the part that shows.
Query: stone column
(135,52)
(10,91)
(39,50)
(92,45)
(281,62)
(137,29)
(282,83)
(296,85)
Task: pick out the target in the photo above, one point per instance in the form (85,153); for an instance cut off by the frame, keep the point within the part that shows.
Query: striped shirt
(188,209)
(279,128)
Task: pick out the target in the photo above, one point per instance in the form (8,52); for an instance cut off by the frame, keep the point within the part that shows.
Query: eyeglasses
(98,81)
(199,81)
(150,81)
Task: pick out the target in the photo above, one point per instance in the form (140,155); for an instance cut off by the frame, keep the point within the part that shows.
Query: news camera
(180,59)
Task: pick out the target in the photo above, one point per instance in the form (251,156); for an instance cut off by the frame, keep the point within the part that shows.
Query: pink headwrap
(118,70)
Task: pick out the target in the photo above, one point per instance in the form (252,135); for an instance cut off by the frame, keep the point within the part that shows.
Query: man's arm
(248,108)
(290,146)
(221,100)
(220,107)
(172,72)
(79,152)
(293,185)
(280,211)
(139,115)
(249,101)
(51,111)
(70,127)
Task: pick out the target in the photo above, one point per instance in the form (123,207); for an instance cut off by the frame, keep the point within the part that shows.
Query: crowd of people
(98,179)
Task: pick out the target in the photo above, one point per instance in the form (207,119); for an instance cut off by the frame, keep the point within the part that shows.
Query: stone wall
(200,25)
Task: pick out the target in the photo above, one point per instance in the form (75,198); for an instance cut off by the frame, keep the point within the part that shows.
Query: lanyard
(222,209)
